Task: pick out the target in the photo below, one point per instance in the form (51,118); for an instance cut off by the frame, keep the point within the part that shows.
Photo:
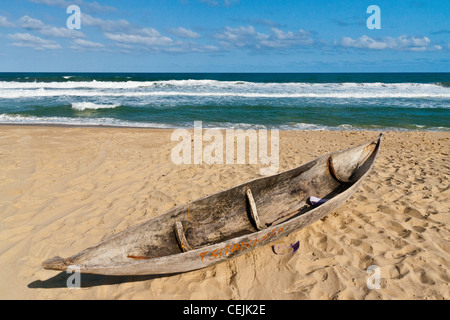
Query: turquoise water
(388,101)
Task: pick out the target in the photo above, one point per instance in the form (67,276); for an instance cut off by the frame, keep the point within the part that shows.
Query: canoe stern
(56,264)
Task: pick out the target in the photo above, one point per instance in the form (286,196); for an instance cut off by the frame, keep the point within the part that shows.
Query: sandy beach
(63,189)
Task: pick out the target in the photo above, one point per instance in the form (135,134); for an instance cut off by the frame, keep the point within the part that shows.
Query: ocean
(285,101)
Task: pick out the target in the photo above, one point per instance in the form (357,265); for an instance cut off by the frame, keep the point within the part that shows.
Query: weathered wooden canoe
(227,224)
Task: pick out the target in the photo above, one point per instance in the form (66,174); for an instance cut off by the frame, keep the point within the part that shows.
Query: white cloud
(225,3)
(149,39)
(95,7)
(92,7)
(62,33)
(248,37)
(134,37)
(402,43)
(148,32)
(185,33)
(282,39)
(241,37)
(31,24)
(105,25)
(186,47)
(81,44)
(59,3)
(37,43)
(5,23)
(49,31)
(139,40)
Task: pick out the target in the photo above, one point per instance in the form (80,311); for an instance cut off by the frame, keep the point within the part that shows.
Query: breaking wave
(81,106)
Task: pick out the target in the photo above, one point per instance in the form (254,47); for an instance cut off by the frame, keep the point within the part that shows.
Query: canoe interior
(226,215)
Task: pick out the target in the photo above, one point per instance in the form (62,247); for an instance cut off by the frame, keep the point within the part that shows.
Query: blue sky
(224,36)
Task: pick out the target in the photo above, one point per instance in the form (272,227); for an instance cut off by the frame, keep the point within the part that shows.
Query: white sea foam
(17,94)
(214,88)
(18,119)
(211,84)
(81,106)
(109,84)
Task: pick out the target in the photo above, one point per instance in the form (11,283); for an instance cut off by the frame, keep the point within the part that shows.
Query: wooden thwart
(254,212)
(333,172)
(181,238)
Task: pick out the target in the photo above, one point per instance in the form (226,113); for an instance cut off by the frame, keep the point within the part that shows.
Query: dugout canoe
(227,224)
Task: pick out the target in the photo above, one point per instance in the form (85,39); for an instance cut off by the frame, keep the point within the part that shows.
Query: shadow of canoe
(90,280)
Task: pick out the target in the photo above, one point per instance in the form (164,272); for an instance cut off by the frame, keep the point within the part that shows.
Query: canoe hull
(209,255)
